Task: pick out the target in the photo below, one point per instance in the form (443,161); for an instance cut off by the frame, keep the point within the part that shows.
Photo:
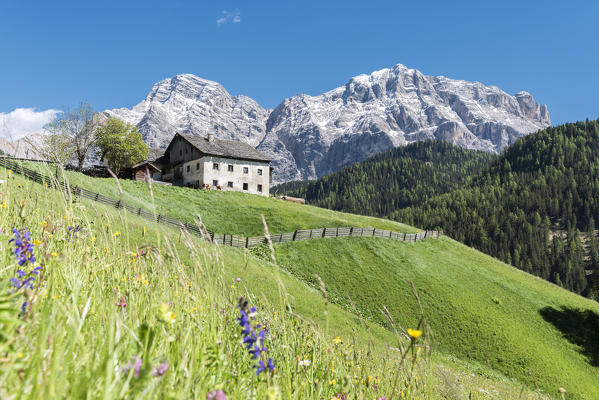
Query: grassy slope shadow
(579,326)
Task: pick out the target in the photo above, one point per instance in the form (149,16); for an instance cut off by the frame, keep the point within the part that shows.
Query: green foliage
(395,179)
(73,130)
(543,186)
(120,144)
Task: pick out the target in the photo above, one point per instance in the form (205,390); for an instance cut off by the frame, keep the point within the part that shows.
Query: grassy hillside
(479,308)
(116,298)
(225,212)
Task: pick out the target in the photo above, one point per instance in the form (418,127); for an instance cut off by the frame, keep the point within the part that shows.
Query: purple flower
(216,395)
(253,335)
(121,303)
(135,364)
(161,369)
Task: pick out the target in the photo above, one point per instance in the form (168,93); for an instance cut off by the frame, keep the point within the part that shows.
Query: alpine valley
(311,136)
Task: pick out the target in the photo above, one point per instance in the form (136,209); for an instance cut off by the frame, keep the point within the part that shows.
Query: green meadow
(490,331)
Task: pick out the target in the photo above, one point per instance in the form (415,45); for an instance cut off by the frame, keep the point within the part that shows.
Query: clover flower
(135,365)
(160,369)
(216,395)
(254,336)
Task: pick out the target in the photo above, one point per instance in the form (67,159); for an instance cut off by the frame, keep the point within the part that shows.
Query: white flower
(304,363)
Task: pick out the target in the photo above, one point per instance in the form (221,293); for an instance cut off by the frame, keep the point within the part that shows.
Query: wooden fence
(223,239)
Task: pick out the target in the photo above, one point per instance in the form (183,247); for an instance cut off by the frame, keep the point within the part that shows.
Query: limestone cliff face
(310,136)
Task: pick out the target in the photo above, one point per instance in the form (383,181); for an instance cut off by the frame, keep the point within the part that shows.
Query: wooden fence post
(294,235)
(247,242)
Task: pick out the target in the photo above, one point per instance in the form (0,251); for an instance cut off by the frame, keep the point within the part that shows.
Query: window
(197,184)
(230,167)
(214,183)
(260,188)
(245,186)
(259,171)
(215,166)
(230,184)
(188,168)
(197,166)
(246,170)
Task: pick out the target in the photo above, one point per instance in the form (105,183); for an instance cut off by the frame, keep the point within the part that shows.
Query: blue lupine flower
(23,251)
(253,335)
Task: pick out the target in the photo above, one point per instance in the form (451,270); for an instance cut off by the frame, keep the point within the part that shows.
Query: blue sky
(54,54)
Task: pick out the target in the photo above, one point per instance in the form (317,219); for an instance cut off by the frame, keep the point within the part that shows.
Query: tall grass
(125,309)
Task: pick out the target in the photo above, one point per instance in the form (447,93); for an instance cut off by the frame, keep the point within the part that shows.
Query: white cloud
(24,121)
(233,16)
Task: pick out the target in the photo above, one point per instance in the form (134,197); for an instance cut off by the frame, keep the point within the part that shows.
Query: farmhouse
(207,162)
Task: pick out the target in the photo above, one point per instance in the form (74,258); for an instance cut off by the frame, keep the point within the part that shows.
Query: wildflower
(160,369)
(253,336)
(117,233)
(134,365)
(261,367)
(143,231)
(20,355)
(414,333)
(121,303)
(72,232)
(54,254)
(337,340)
(216,395)
(167,315)
(37,242)
(232,286)
(23,246)
(44,223)
(237,280)
(3,205)
(304,363)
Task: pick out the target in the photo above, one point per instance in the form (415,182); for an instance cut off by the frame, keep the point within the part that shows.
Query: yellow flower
(337,340)
(333,381)
(167,315)
(232,286)
(117,233)
(20,355)
(143,231)
(414,333)
(53,254)
(44,223)
(37,242)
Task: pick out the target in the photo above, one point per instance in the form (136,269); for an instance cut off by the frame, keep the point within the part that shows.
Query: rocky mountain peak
(310,136)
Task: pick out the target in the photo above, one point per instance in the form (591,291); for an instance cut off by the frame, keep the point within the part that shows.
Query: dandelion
(3,205)
(414,333)
(337,340)
(160,369)
(116,234)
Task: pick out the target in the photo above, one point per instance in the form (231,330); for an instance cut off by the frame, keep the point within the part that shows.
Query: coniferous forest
(535,206)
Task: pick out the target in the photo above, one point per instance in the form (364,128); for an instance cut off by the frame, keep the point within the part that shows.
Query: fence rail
(223,239)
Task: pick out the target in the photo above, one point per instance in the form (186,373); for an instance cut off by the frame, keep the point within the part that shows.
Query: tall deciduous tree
(76,127)
(121,145)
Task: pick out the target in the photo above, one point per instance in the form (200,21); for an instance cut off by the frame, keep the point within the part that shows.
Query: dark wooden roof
(149,164)
(224,148)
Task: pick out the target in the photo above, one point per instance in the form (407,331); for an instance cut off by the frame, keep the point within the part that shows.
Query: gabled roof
(155,154)
(224,148)
(148,163)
